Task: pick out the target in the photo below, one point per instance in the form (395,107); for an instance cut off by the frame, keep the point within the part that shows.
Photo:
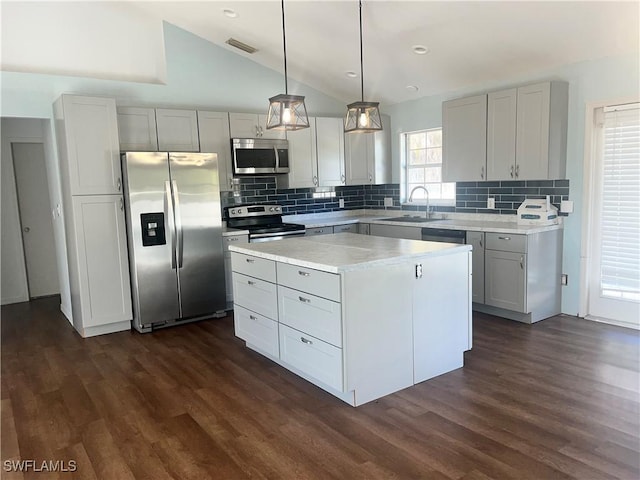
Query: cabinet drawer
(311,356)
(256,330)
(254,266)
(315,282)
(233,240)
(507,242)
(316,316)
(351,227)
(319,231)
(256,295)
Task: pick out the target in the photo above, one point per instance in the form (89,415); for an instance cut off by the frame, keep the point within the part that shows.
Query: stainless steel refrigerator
(174,231)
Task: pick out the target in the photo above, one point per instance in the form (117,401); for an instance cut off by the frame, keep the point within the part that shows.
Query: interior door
(35,219)
(195,182)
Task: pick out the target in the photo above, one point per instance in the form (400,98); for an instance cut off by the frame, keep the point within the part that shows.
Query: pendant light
(286,112)
(362,117)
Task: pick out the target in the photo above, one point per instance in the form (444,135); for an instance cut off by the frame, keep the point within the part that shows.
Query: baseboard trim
(609,321)
(105,329)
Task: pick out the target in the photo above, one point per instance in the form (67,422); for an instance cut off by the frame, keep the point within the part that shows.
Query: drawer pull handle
(253,317)
(250,282)
(304,300)
(521,263)
(304,340)
(250,260)
(232,239)
(504,238)
(304,274)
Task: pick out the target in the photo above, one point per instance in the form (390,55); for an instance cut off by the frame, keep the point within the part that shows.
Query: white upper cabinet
(303,165)
(517,134)
(162,129)
(214,138)
(368,156)
(501,135)
(137,129)
(330,151)
(252,125)
(177,130)
(88,126)
(541,131)
(464,139)
(527,132)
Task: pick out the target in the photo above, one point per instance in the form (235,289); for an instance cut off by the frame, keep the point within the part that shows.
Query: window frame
(404,167)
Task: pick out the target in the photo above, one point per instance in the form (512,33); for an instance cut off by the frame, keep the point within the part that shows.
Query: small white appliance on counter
(535,211)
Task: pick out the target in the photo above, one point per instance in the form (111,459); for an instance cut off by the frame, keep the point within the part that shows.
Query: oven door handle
(277,234)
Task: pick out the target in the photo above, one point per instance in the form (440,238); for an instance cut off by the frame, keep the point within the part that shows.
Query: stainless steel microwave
(252,156)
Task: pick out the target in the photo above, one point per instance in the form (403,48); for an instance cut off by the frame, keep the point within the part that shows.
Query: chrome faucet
(426,191)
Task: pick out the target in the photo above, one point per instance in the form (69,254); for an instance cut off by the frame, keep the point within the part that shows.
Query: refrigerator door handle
(168,210)
(178,217)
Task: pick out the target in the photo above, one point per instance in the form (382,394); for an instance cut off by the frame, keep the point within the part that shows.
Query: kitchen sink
(410,219)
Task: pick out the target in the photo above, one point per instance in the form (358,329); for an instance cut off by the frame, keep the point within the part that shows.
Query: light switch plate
(491,203)
(341,203)
(566,206)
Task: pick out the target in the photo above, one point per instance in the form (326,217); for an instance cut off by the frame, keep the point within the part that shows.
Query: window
(422,160)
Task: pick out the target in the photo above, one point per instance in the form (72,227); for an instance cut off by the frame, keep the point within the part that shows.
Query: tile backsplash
(471,197)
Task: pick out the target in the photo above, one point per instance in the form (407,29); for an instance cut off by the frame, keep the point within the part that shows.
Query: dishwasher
(444,235)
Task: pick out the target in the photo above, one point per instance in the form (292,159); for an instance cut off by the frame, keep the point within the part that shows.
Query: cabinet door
(330,151)
(396,231)
(532,149)
(103,264)
(93,149)
(380,160)
(214,138)
(264,133)
(137,129)
(244,125)
(227,241)
(505,277)
(501,135)
(364,228)
(464,139)
(476,239)
(303,166)
(358,148)
(177,130)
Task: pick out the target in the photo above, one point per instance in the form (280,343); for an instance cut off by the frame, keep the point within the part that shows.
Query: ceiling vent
(242,46)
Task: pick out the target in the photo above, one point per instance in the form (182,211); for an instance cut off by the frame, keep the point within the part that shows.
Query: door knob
(27,229)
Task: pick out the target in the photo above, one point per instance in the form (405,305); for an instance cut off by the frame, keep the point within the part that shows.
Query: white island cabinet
(359,316)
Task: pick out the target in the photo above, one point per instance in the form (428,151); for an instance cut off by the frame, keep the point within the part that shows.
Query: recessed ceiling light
(420,49)
(230,13)
(412,88)
(351,74)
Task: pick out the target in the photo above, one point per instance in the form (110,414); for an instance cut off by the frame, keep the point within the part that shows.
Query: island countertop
(342,252)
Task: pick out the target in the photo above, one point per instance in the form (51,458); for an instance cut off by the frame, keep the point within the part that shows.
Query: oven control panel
(242,211)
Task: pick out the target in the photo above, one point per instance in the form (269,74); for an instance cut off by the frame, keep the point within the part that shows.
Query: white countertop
(342,252)
(484,223)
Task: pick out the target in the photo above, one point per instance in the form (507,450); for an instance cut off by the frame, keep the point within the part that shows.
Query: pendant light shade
(362,117)
(286,112)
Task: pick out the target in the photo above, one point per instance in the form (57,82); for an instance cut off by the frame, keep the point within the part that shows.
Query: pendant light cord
(361,74)
(284,43)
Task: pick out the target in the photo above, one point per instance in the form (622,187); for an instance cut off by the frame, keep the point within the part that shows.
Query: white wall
(88,39)
(599,80)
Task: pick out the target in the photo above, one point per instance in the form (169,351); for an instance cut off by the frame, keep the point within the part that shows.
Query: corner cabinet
(95,231)
(527,132)
(464,139)
(368,156)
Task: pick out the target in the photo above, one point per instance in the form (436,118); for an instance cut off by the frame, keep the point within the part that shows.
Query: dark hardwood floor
(559,399)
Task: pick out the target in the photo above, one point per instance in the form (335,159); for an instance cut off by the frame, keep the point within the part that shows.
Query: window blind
(620,220)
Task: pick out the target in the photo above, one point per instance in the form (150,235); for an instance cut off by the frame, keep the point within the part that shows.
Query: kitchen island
(359,316)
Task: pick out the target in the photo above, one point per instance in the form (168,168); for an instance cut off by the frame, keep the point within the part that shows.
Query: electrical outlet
(388,201)
(491,203)
(341,203)
(564,279)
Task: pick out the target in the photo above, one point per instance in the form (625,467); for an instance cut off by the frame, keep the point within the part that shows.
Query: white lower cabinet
(311,356)
(396,231)
(257,295)
(256,330)
(227,241)
(349,227)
